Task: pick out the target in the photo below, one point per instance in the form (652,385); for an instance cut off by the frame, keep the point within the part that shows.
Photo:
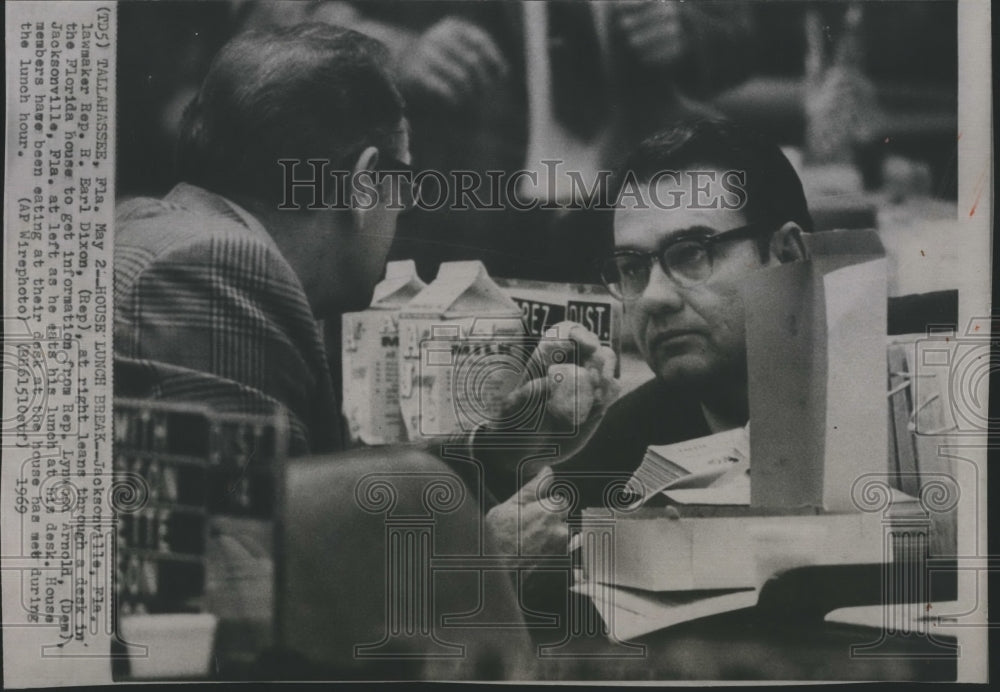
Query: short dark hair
(306,91)
(774,191)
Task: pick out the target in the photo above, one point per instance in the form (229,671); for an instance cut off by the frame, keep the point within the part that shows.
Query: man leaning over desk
(218,291)
(684,237)
(219,285)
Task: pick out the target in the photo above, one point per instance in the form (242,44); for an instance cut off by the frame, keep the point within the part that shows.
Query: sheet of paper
(696,463)
(727,495)
(727,486)
(631,613)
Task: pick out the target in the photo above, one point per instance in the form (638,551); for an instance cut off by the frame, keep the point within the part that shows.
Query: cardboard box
(370,359)
(463,350)
(816,362)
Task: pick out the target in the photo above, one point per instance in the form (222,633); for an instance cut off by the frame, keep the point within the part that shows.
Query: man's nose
(661,291)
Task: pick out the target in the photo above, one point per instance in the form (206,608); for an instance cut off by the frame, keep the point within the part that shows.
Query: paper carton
(817,379)
(544,304)
(370,359)
(462,351)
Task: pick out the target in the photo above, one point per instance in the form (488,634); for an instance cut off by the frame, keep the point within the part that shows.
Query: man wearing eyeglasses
(685,235)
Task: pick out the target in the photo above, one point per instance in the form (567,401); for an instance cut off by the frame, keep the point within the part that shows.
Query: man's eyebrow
(680,234)
(692,231)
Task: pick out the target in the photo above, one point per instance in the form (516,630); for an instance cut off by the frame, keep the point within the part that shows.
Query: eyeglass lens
(687,263)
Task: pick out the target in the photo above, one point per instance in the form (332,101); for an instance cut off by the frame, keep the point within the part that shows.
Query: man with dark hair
(698,208)
(218,289)
(504,86)
(771,187)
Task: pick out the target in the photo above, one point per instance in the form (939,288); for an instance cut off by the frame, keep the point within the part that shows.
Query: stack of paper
(683,471)
(630,613)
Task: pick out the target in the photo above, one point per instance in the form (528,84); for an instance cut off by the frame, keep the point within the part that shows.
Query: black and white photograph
(555,341)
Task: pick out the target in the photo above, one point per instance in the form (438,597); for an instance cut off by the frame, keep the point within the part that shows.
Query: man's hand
(526,525)
(652,30)
(574,396)
(455,61)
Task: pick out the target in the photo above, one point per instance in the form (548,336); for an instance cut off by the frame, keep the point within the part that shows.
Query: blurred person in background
(503,86)
(164,51)
(219,287)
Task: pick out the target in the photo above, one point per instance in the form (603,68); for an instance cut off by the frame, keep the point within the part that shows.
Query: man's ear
(786,243)
(364,189)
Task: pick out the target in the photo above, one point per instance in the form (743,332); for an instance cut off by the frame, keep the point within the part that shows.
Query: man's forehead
(675,203)
(696,187)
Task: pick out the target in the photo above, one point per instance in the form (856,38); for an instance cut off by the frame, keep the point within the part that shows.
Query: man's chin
(691,372)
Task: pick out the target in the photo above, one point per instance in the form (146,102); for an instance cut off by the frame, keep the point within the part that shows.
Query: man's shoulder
(164,232)
(654,413)
(651,414)
(160,225)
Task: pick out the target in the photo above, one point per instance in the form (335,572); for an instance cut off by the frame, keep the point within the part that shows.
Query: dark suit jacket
(652,414)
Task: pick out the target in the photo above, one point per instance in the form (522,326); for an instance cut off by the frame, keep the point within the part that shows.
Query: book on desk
(668,569)
(693,545)
(816,370)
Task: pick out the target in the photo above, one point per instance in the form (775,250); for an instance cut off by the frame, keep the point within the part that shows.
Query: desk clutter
(811,508)
(433,360)
(717,518)
(667,570)
(201,479)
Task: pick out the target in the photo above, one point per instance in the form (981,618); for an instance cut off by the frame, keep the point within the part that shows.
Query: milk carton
(370,349)
(462,350)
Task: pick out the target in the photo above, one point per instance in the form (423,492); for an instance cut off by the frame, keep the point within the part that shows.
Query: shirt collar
(199,199)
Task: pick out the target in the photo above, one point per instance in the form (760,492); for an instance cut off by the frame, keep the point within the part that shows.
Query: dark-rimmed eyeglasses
(687,260)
